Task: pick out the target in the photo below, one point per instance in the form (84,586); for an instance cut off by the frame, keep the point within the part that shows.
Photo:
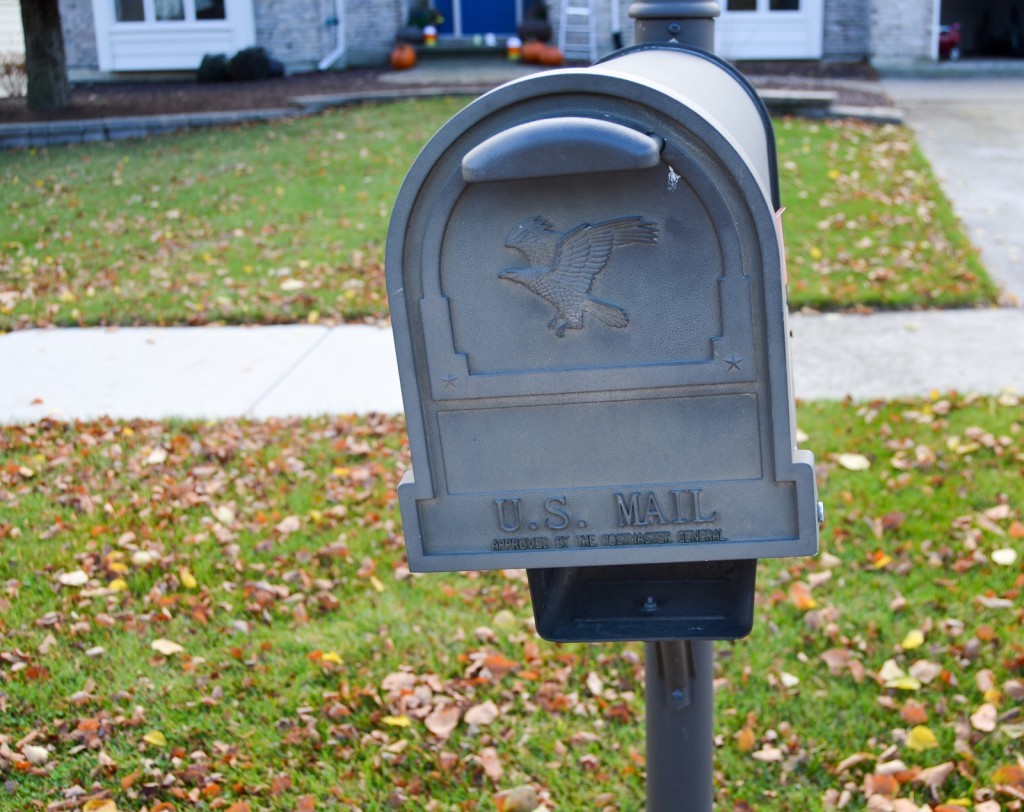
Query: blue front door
(445,7)
(477,16)
(488,16)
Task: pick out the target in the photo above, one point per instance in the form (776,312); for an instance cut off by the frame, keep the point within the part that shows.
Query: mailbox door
(586,284)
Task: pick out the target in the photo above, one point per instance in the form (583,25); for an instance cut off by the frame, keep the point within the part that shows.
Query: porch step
(459,48)
(798,102)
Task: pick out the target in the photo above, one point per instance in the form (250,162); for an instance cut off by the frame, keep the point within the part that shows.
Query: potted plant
(535,25)
(421,15)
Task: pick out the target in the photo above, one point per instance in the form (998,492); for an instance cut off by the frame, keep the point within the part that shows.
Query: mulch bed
(113,99)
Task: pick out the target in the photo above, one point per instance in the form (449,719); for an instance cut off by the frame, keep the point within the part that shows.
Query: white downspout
(339,46)
(936,21)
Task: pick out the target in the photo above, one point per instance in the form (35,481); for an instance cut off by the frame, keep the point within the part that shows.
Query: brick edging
(83,131)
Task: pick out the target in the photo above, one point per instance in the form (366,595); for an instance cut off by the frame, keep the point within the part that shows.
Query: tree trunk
(45,62)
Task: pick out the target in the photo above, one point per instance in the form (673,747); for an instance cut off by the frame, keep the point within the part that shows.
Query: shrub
(13,76)
(213,68)
(249,64)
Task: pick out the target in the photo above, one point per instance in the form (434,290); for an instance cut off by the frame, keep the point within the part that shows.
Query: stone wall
(902,32)
(847,30)
(297,34)
(370,27)
(79,35)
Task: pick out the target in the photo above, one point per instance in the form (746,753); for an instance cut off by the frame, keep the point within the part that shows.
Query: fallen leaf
(913,713)
(800,595)
(935,777)
(504,621)
(519,799)
(985,718)
(482,714)
(443,720)
(1006,557)
(99,805)
(307,803)
(396,721)
(853,462)
(166,647)
(924,671)
(35,755)
(155,738)
(73,578)
(914,639)
(921,738)
(1009,774)
(287,525)
(837,660)
(488,759)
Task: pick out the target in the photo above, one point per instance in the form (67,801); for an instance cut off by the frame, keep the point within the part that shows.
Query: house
(12,40)
(112,37)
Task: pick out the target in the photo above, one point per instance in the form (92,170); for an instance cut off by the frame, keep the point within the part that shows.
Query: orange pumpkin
(403,56)
(531,50)
(550,55)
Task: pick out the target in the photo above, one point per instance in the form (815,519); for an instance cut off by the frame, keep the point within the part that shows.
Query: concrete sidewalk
(307,370)
(971,129)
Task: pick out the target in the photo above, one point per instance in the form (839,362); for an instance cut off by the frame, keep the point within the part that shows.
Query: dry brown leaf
(913,712)
(488,759)
(518,799)
(924,671)
(482,714)
(289,524)
(166,647)
(935,777)
(800,595)
(837,660)
(985,718)
(443,720)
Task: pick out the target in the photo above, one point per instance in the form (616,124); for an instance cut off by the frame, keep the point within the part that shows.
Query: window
(170,10)
(129,11)
(162,11)
(210,10)
(742,5)
(785,5)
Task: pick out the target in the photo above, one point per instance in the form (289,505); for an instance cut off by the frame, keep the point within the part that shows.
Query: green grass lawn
(286,222)
(218,616)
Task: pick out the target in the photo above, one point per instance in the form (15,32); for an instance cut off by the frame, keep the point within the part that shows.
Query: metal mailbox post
(587,284)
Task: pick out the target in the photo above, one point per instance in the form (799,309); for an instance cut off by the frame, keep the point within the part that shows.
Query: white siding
(155,46)
(765,34)
(11,38)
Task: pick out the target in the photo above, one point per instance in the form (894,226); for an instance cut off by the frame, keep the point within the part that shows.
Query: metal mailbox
(587,285)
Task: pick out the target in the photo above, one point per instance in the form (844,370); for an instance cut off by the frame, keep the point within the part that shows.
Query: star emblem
(734,363)
(449,381)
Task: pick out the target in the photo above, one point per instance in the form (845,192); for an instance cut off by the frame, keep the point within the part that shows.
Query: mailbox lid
(656,429)
(712,86)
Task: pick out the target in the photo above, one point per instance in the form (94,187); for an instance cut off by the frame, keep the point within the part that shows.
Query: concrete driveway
(971,129)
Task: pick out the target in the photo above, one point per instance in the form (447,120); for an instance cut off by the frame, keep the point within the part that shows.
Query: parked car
(949,42)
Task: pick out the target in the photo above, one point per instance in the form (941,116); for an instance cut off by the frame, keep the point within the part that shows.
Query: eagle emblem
(563,266)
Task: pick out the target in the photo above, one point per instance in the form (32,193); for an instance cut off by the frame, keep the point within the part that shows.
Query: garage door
(770,29)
